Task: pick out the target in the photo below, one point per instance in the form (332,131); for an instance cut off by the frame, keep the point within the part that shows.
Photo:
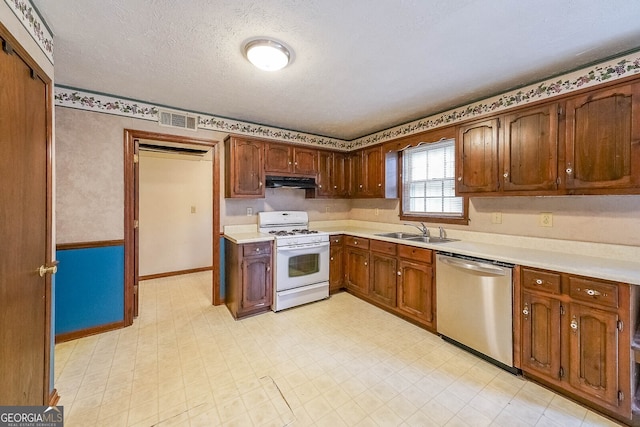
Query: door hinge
(620,395)
(561,372)
(136,223)
(136,159)
(620,325)
(560,111)
(561,310)
(6,47)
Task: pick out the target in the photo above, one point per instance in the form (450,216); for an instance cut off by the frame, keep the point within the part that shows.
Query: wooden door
(477,157)
(336,266)
(25,227)
(325,171)
(415,290)
(305,161)
(373,172)
(277,158)
(529,149)
(593,352)
(357,270)
(383,279)
(256,282)
(136,227)
(340,175)
(603,139)
(540,336)
(247,168)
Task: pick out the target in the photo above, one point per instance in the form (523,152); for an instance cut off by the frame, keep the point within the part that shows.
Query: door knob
(47,270)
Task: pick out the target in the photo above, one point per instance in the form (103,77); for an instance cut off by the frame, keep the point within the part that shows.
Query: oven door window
(303,265)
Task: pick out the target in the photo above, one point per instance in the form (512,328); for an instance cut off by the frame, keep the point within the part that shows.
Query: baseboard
(74,335)
(175,273)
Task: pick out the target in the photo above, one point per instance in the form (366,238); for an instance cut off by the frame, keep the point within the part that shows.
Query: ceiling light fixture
(268,55)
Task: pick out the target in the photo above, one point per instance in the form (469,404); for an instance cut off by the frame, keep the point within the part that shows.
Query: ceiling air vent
(182,121)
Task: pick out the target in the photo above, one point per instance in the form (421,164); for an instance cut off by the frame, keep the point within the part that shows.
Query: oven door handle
(300,247)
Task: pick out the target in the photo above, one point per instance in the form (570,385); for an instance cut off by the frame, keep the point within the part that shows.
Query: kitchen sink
(416,237)
(400,235)
(431,239)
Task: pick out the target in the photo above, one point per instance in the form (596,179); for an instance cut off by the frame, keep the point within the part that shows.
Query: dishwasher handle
(476,266)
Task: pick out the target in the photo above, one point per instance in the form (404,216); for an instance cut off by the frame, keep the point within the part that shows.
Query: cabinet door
(356,175)
(529,149)
(593,352)
(540,335)
(383,279)
(340,175)
(278,158)
(373,172)
(256,282)
(305,161)
(415,290)
(336,266)
(325,172)
(477,157)
(603,139)
(246,173)
(357,266)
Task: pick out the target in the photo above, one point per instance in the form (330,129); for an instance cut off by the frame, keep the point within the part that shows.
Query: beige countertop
(611,262)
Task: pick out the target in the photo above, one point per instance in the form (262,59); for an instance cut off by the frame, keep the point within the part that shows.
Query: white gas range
(302,258)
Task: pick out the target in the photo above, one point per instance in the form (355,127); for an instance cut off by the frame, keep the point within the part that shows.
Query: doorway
(131,231)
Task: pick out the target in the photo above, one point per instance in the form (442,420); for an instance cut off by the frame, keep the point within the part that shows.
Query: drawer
(357,242)
(590,290)
(260,248)
(538,280)
(383,247)
(336,240)
(414,253)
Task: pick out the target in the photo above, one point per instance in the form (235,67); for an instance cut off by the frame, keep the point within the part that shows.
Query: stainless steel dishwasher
(474,305)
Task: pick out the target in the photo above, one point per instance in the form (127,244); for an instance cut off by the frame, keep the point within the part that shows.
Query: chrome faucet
(423,228)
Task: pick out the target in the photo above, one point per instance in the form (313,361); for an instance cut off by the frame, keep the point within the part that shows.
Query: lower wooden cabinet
(248,278)
(336,263)
(576,336)
(396,277)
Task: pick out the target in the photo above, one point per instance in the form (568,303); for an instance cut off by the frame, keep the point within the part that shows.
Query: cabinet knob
(506,174)
(366,263)
(592,292)
(320,186)
(569,170)
(525,310)
(538,281)
(399,273)
(289,162)
(335,186)
(331,258)
(379,185)
(257,249)
(574,324)
(268,268)
(355,243)
(360,185)
(459,178)
(260,184)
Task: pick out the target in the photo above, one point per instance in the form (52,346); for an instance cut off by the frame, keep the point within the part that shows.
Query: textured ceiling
(359,66)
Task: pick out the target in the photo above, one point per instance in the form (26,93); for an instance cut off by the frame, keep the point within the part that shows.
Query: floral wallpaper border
(591,76)
(31,20)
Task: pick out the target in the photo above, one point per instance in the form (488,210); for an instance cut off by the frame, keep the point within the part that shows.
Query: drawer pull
(257,249)
(538,281)
(592,292)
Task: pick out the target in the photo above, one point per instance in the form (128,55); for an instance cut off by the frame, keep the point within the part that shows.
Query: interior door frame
(131,196)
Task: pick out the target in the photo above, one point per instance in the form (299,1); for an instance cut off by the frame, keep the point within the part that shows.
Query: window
(428,184)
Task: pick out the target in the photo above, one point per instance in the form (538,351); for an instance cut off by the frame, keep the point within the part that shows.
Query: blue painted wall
(89,288)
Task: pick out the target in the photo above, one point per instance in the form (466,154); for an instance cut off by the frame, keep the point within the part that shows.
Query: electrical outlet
(249,211)
(327,209)
(545,219)
(496,218)
(377,212)
(193,209)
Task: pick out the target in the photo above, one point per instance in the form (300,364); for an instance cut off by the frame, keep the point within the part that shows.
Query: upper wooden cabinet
(288,159)
(244,167)
(603,139)
(332,179)
(529,149)
(367,173)
(477,157)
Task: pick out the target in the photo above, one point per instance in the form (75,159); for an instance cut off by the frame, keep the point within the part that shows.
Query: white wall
(172,238)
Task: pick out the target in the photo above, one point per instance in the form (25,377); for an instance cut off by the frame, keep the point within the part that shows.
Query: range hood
(290,182)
